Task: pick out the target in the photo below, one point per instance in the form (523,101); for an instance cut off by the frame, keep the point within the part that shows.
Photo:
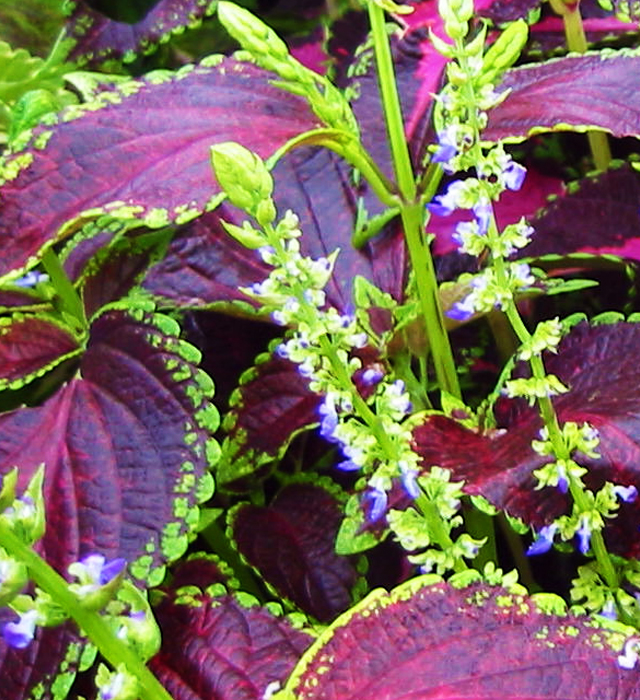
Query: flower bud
(13,577)
(242,175)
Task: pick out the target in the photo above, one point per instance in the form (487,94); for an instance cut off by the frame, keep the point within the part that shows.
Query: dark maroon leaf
(149,153)
(223,648)
(436,642)
(597,215)
(125,445)
(98,37)
(53,653)
(291,544)
(32,345)
(204,265)
(272,402)
(574,92)
(501,11)
(599,365)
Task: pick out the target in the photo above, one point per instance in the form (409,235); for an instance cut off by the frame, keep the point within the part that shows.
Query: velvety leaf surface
(596,215)
(149,152)
(223,647)
(291,543)
(125,445)
(98,37)
(272,403)
(599,365)
(573,92)
(435,642)
(30,345)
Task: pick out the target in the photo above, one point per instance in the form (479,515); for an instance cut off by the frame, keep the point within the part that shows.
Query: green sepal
(13,577)
(351,537)
(8,490)
(246,235)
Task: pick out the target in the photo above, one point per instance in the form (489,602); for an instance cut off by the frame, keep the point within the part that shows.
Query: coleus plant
(350,454)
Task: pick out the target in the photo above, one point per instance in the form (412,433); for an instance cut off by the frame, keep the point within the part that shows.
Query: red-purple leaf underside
(221,649)
(596,215)
(150,152)
(123,444)
(30,345)
(594,90)
(291,543)
(436,642)
(600,366)
(98,37)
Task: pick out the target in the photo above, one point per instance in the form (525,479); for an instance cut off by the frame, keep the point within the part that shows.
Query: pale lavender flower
(327,410)
(348,465)
(445,204)
(20,634)
(375,500)
(584,537)
(447,146)
(483,212)
(99,571)
(514,175)
(409,479)
(629,656)
(31,279)
(628,494)
(462,310)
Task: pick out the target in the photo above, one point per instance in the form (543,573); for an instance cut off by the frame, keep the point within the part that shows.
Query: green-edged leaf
(271,404)
(126,446)
(291,544)
(436,642)
(32,345)
(575,92)
(98,37)
(142,149)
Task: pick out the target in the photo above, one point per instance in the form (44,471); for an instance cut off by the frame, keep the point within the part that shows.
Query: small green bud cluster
(266,48)
(424,534)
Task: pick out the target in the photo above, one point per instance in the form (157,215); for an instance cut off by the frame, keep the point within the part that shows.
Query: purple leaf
(98,38)
(574,92)
(597,215)
(271,404)
(436,641)
(599,365)
(291,543)
(125,446)
(205,265)
(223,647)
(149,152)
(32,345)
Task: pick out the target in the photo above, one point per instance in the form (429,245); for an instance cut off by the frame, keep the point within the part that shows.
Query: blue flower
(447,145)
(329,422)
(513,175)
(372,376)
(409,477)
(462,310)
(31,279)
(348,465)
(20,634)
(628,494)
(584,537)
(445,204)
(544,540)
(375,500)
(483,212)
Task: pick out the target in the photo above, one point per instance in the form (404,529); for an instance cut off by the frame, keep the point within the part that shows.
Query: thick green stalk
(91,623)
(577,42)
(412,212)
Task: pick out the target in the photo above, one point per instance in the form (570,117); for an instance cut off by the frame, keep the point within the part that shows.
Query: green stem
(391,105)
(427,286)
(577,42)
(71,302)
(91,623)
(411,212)
(436,528)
